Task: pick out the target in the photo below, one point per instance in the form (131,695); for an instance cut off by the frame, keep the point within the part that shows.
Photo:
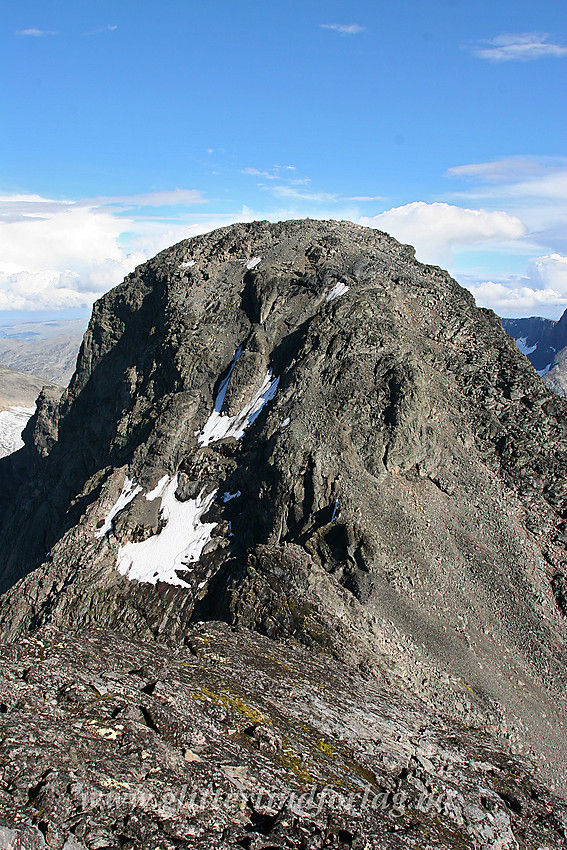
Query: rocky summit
(296,444)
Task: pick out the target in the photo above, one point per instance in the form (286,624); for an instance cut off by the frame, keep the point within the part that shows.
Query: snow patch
(219,425)
(187,264)
(251,264)
(159,489)
(178,545)
(12,423)
(183,536)
(338,289)
(125,497)
(522,345)
(335,511)
(285,422)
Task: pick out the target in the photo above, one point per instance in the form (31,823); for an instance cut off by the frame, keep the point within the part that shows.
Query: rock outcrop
(299,429)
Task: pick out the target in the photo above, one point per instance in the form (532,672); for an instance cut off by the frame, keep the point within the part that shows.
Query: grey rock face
(399,501)
(556,378)
(230,740)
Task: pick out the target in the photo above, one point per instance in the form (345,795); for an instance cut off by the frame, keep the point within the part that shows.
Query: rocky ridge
(236,741)
(396,499)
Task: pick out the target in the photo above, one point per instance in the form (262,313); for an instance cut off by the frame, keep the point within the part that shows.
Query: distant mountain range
(47,350)
(544,342)
(18,389)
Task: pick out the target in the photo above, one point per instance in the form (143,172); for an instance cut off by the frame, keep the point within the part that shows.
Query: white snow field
(12,423)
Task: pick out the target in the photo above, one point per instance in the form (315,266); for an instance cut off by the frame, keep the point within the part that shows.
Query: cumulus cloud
(438,230)
(510,47)
(532,188)
(63,254)
(344,29)
(516,301)
(543,289)
(57,254)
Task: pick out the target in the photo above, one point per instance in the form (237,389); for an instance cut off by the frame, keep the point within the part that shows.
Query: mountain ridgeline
(299,429)
(544,342)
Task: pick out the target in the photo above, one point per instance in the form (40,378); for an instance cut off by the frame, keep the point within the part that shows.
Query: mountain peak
(299,429)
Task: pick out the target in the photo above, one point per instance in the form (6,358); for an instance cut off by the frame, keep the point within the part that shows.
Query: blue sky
(130,125)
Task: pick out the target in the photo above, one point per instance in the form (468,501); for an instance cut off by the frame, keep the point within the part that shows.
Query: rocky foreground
(233,740)
(300,431)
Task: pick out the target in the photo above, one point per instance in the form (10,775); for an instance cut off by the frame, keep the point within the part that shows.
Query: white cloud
(35,33)
(171,198)
(532,188)
(541,290)
(438,230)
(274,174)
(544,178)
(516,301)
(61,254)
(364,198)
(288,192)
(57,237)
(255,172)
(522,47)
(107,28)
(344,29)
(499,170)
(549,273)
(56,254)
(551,186)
